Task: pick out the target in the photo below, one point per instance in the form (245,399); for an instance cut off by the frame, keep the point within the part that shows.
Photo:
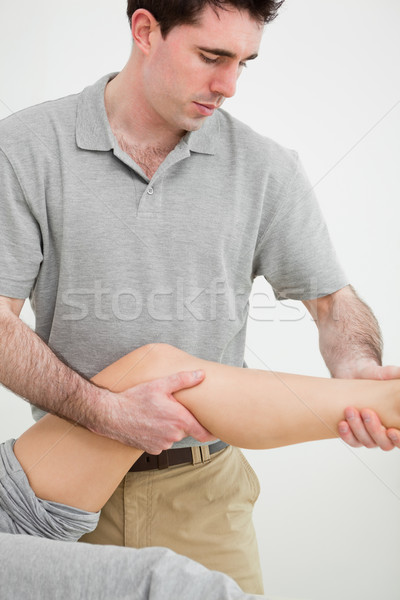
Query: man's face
(191,72)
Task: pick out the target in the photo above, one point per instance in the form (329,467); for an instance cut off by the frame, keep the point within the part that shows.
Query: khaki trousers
(203,511)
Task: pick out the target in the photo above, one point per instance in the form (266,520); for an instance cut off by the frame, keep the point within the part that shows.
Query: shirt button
(150,191)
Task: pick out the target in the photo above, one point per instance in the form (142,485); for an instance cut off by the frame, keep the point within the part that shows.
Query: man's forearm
(350,338)
(30,369)
(351,345)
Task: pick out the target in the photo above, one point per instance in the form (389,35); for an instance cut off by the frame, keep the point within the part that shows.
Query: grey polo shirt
(112,260)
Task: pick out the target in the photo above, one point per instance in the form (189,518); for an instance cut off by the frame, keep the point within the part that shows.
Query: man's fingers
(187,379)
(389,372)
(347,435)
(364,429)
(375,429)
(394,436)
(200,434)
(184,379)
(357,427)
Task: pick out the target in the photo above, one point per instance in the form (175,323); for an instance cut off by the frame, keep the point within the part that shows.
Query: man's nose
(224,82)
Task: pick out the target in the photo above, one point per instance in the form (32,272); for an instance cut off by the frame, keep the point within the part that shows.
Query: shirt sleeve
(294,252)
(20,238)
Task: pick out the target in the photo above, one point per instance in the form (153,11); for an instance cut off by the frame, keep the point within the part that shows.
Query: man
(139,211)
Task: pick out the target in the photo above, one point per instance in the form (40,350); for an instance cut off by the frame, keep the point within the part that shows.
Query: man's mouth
(205,108)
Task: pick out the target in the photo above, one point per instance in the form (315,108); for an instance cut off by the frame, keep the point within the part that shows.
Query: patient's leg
(252,408)
(244,407)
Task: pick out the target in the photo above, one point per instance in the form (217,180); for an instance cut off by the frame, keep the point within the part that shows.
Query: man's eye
(209,61)
(213,61)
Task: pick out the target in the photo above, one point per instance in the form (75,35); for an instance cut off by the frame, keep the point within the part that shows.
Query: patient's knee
(147,363)
(165,359)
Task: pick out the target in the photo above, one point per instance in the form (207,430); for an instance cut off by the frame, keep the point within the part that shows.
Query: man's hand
(351,345)
(364,428)
(148,417)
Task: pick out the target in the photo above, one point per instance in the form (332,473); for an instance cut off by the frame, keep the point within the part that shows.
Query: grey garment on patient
(22,512)
(54,569)
(41,569)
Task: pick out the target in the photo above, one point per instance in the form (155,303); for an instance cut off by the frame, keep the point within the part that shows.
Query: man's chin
(195,124)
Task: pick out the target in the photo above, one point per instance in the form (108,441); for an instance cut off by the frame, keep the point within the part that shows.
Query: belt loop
(196,455)
(205,454)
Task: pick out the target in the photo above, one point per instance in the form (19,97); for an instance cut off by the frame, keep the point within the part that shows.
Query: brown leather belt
(176,456)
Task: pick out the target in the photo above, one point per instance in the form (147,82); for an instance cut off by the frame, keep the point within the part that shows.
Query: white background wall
(326,84)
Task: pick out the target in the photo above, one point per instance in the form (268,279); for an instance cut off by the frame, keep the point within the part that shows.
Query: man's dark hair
(171,13)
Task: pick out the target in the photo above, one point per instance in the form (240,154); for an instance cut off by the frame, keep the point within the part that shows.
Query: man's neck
(130,118)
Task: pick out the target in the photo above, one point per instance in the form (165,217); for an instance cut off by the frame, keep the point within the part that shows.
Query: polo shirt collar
(205,139)
(93,131)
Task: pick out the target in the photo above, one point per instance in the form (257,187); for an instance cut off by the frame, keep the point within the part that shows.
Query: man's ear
(143,24)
